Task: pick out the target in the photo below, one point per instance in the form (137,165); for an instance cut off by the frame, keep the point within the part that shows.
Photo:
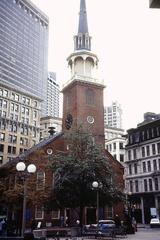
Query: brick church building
(82,104)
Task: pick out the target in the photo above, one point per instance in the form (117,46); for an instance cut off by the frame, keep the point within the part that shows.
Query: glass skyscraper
(24,47)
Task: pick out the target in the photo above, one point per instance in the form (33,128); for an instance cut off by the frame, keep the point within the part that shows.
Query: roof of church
(41,144)
(83,24)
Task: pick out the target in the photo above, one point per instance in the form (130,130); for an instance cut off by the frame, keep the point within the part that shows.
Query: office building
(19,123)
(115,143)
(142,169)
(113,115)
(53,93)
(24,48)
(46,123)
(23,75)
(154,3)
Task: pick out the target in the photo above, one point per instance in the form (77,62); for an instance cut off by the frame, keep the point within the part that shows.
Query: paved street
(144,234)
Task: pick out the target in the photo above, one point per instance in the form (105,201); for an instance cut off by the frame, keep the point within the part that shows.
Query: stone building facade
(142,169)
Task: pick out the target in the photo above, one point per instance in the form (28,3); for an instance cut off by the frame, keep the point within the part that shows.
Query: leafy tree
(77,168)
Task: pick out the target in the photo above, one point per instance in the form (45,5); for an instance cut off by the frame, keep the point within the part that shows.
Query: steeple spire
(83,25)
(82,40)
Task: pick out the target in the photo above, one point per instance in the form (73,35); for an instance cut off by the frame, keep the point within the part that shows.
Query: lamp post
(21,167)
(95,185)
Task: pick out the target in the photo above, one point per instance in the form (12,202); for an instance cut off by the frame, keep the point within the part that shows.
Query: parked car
(90,230)
(154,222)
(106,228)
(105,224)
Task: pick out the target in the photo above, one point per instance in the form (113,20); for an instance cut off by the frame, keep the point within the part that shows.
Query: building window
(110,146)
(39,212)
(143,135)
(159,163)
(136,186)
(155,165)
(153,149)
(148,134)
(16,97)
(24,100)
(149,166)
(16,107)
(152,131)
(121,158)
(144,166)
(148,151)
(4,114)
(90,97)
(130,169)
(121,145)
(4,103)
(27,111)
(134,153)
(35,114)
(11,150)
(143,151)
(40,180)
(55,214)
(114,146)
(1,159)
(131,186)
(158,147)
(156,184)
(10,138)
(157,131)
(129,155)
(145,185)
(5,93)
(23,109)
(150,185)
(34,103)
(27,101)
(14,140)
(109,210)
(2,125)
(2,136)
(135,168)
(1,147)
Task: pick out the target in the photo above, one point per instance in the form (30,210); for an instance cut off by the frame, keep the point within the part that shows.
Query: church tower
(83,93)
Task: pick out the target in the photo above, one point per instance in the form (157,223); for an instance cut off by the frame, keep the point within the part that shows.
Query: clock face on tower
(90,119)
(68,121)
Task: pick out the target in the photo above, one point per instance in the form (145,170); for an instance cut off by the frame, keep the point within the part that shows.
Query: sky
(125,37)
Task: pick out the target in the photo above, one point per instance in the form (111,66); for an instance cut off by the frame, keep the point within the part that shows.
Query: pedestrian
(134,223)
(117,221)
(33,225)
(62,221)
(1,227)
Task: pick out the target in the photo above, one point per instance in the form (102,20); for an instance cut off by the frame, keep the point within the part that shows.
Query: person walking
(1,227)
(117,221)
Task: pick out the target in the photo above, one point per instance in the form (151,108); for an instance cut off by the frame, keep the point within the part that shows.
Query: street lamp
(95,185)
(21,167)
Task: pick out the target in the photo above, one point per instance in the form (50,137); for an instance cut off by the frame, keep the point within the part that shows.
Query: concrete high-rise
(24,47)
(113,115)
(154,3)
(23,75)
(52,96)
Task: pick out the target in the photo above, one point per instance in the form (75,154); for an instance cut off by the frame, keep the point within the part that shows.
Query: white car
(155,222)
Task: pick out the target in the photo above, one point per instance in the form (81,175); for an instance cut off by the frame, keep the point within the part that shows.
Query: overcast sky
(126,38)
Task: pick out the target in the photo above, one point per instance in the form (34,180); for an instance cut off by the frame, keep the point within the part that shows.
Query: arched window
(90,97)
